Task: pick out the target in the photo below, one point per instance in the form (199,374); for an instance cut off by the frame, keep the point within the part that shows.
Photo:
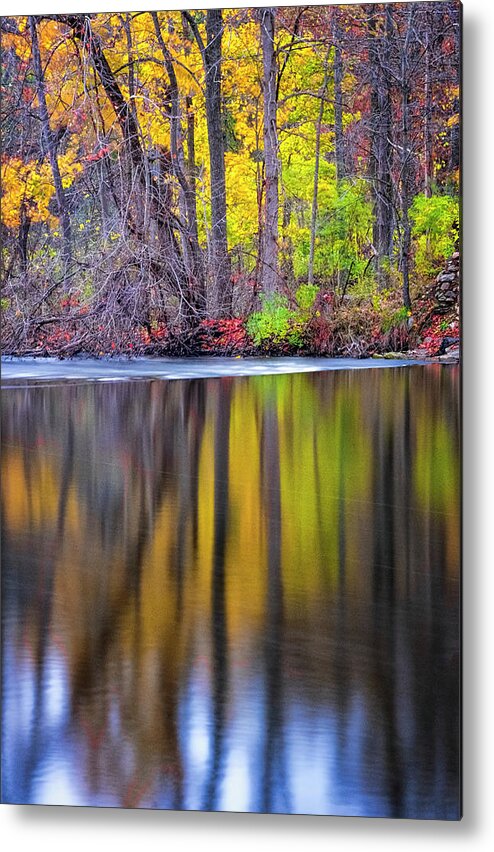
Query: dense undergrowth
(311,321)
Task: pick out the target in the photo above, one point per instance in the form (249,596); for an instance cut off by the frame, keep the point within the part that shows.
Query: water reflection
(236,593)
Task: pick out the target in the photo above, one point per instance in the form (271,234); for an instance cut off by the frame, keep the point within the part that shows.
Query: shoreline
(117,369)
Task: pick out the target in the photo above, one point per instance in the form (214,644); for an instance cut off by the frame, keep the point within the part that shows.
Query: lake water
(236,593)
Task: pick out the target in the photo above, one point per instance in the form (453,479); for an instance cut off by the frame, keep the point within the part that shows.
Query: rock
(453,350)
(451,356)
(448,343)
(446,276)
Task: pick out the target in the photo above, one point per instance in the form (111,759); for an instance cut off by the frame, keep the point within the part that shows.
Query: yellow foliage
(77,101)
(29,186)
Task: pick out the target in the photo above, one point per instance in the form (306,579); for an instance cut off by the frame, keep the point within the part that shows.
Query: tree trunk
(455,133)
(192,248)
(170,266)
(338,104)
(286,248)
(381,153)
(338,118)
(269,267)
(386,153)
(221,293)
(51,147)
(406,163)
(126,18)
(24,227)
(428,159)
(192,188)
(220,290)
(315,191)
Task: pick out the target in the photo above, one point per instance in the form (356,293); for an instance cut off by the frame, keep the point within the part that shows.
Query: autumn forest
(236,181)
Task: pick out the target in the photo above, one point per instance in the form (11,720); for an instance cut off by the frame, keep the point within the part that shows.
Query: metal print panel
(230,419)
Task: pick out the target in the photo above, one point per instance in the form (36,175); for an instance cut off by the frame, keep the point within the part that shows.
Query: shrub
(435,231)
(224,335)
(395,319)
(306,296)
(276,323)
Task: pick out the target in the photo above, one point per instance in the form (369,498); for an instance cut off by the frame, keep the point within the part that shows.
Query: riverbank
(313,323)
(122,369)
(354,331)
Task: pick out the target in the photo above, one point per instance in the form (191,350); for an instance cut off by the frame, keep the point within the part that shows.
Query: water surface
(120,368)
(234,593)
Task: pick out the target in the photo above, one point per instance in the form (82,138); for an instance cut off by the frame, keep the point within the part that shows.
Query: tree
(191,242)
(313,221)
(50,143)
(269,250)
(145,158)
(170,265)
(219,295)
(406,155)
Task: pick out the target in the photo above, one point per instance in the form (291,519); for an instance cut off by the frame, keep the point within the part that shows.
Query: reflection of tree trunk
(197,404)
(188,442)
(169,689)
(218,600)
(341,514)
(407,479)
(383,606)
(100,640)
(91,661)
(44,610)
(343,616)
(273,647)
